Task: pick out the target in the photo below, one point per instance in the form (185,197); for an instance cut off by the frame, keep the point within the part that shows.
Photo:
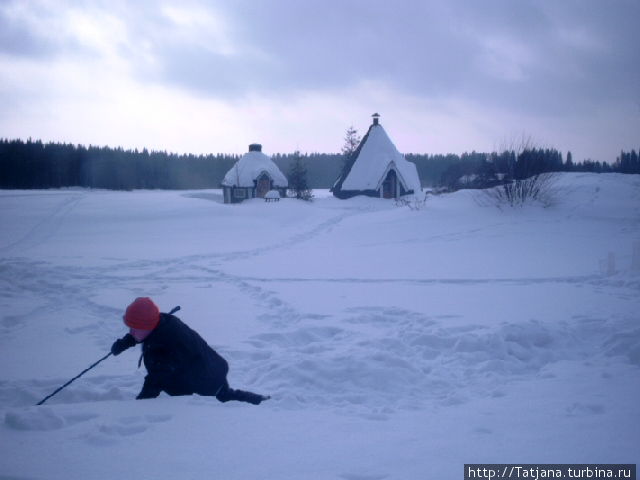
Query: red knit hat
(142,314)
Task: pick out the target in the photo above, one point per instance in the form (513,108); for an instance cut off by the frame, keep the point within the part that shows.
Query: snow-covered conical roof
(250,166)
(375,156)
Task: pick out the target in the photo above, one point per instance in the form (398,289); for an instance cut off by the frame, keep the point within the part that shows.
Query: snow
(273,195)
(374,160)
(397,344)
(250,167)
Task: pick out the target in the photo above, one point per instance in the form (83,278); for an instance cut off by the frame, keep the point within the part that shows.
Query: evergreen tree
(298,179)
(351,142)
(568,166)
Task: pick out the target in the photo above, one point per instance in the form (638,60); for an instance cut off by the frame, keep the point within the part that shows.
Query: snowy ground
(397,344)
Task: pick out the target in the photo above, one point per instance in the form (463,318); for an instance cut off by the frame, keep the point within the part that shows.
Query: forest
(33,164)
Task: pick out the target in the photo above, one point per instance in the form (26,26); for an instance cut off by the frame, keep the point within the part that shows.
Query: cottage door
(263,185)
(389,186)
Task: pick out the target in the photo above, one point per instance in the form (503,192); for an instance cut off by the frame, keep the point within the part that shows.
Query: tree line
(33,164)
(628,162)
(482,170)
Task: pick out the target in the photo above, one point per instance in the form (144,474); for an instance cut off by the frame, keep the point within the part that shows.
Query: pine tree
(634,162)
(569,163)
(298,179)
(351,142)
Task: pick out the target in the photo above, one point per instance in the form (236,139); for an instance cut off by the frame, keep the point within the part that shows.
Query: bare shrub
(413,202)
(538,189)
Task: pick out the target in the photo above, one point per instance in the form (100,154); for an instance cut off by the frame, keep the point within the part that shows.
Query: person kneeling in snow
(178,360)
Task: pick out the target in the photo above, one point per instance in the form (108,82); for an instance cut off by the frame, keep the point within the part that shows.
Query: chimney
(375,116)
(255,147)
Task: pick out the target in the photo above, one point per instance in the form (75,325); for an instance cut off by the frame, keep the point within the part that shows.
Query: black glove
(122,344)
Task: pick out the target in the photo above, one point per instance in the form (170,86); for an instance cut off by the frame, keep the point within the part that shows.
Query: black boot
(226,394)
(250,397)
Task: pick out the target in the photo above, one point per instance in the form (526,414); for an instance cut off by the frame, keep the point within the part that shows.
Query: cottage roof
(375,156)
(250,166)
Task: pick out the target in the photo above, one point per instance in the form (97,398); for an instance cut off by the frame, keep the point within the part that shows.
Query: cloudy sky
(213,76)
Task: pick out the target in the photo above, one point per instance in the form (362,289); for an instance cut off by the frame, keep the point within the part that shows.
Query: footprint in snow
(110,433)
(12,321)
(482,431)
(42,419)
(582,409)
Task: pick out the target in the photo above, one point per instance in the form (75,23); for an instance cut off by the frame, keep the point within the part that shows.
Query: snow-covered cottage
(377,169)
(252,177)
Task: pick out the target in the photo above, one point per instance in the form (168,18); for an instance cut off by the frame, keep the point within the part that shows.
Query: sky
(214,76)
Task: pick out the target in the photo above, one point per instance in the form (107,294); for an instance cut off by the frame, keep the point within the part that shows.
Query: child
(178,360)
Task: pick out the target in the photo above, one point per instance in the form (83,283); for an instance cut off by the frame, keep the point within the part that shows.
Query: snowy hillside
(396,344)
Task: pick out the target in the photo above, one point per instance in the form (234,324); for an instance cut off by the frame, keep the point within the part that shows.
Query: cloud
(531,56)
(535,57)
(302,46)
(21,33)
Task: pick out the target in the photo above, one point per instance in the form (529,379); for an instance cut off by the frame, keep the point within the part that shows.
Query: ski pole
(74,378)
(175,309)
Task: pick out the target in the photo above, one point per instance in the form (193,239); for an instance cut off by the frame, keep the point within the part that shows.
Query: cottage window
(239,193)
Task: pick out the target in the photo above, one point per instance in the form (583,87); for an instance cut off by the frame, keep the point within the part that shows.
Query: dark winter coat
(180,362)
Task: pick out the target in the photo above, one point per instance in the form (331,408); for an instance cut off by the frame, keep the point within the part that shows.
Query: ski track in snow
(46,228)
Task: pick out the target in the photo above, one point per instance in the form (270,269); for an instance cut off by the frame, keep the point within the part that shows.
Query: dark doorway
(263,185)
(390,185)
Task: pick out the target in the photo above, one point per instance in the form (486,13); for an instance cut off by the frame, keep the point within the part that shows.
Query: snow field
(395,343)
